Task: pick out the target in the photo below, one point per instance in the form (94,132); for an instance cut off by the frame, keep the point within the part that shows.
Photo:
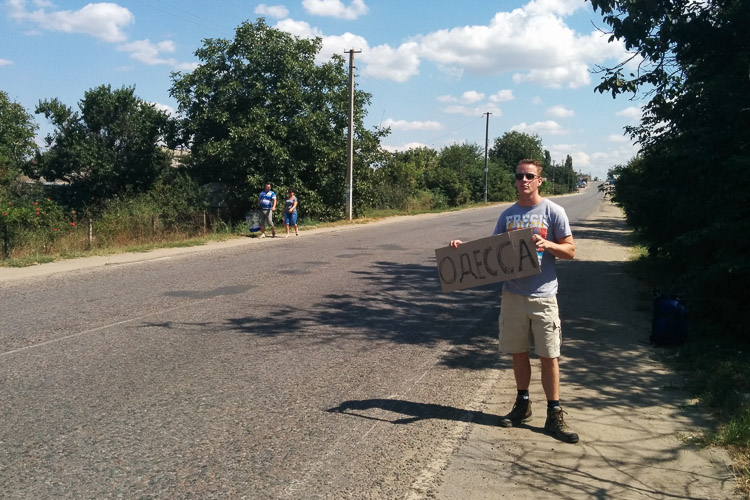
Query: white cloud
(574,75)
(335,8)
(381,62)
(596,163)
(163,107)
(405,147)
(581,160)
(413,125)
(533,39)
(447,98)
(458,110)
(602,161)
(558,7)
(474,97)
(549,127)
(502,96)
(331,44)
(275,11)
(298,28)
(472,111)
(104,21)
(533,43)
(385,62)
(630,112)
(151,54)
(618,138)
(560,112)
(471,96)
(5,62)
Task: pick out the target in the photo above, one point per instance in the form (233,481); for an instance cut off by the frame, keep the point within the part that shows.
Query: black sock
(553,404)
(523,394)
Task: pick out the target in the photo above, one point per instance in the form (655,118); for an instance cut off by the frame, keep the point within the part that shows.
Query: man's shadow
(414,412)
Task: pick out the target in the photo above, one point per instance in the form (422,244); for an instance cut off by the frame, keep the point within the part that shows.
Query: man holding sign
(529,304)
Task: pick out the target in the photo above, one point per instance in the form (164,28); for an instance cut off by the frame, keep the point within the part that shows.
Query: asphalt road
(322,366)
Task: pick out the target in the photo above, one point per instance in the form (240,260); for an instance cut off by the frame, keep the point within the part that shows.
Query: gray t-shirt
(289,203)
(552,222)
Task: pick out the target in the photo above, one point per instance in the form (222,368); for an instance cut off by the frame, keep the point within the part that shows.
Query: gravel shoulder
(634,421)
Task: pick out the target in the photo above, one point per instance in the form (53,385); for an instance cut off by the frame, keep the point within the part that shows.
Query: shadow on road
(605,322)
(403,304)
(411,411)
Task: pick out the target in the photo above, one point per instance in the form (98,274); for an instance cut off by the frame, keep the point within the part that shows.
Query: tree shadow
(603,317)
(403,304)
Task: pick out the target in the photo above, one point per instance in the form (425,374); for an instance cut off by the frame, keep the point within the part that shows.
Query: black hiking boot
(520,413)
(555,426)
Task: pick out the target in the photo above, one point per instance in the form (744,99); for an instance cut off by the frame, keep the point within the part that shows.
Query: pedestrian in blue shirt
(267,206)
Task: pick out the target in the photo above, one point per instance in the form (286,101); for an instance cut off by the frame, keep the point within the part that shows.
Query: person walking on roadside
(529,305)
(267,206)
(290,213)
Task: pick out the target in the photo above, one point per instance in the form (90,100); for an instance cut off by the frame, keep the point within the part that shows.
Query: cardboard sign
(487,260)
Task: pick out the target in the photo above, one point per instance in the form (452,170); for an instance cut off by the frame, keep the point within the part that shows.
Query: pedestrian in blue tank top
(290,213)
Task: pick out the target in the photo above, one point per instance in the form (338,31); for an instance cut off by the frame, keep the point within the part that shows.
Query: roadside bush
(448,183)
(425,201)
(29,222)
(164,212)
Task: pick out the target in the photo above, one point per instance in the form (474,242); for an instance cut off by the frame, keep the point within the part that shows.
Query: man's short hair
(528,161)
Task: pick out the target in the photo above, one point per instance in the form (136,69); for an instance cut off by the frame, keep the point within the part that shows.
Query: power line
(183,18)
(434,140)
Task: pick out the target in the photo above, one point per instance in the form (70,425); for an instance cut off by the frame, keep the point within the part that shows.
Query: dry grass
(741,465)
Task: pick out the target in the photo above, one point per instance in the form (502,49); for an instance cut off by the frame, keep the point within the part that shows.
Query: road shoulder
(10,274)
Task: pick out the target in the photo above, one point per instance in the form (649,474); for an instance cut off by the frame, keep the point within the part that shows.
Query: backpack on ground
(670,324)
(254,219)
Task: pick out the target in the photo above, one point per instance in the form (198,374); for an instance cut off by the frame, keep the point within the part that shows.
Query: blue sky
(433,67)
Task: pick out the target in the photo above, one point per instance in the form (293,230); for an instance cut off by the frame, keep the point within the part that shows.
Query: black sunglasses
(528,176)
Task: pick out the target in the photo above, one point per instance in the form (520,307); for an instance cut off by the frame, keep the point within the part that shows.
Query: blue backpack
(670,324)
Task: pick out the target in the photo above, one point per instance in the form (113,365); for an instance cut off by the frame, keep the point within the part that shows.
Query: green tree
(401,176)
(468,161)
(515,146)
(449,184)
(462,158)
(694,73)
(113,147)
(259,109)
(17,131)
(563,176)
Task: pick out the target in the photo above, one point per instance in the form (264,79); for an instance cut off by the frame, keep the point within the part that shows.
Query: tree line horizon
(257,109)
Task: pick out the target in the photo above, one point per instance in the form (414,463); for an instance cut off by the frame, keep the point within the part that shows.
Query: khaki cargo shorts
(524,320)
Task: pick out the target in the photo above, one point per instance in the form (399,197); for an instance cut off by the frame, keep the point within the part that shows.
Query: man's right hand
(455,243)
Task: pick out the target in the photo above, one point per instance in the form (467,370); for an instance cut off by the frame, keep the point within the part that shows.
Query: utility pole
(486,141)
(350,156)
(553,178)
